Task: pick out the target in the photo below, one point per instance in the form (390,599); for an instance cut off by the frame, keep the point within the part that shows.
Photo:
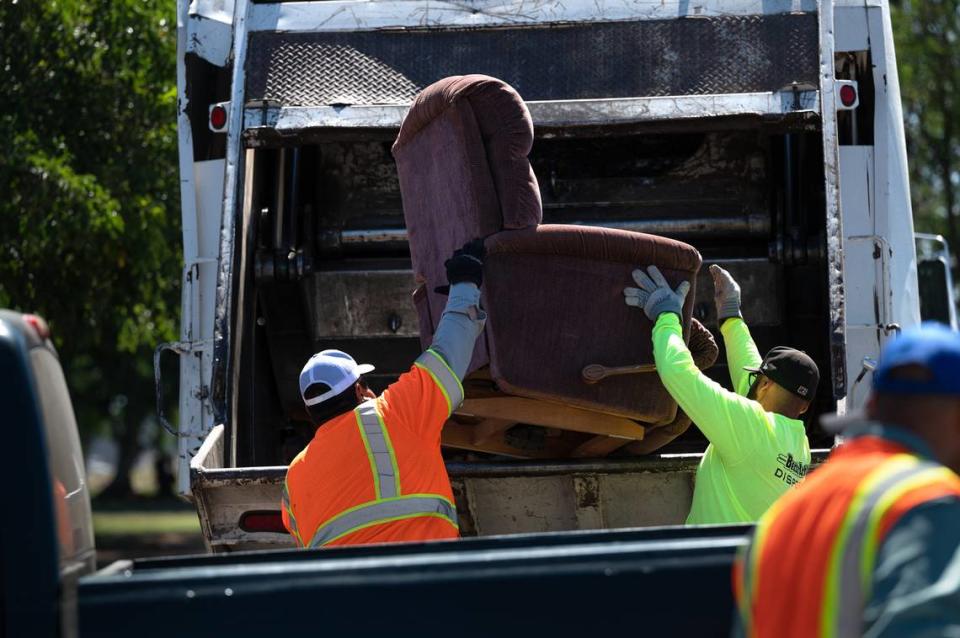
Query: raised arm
(741,353)
(462,320)
(728,420)
(460,325)
(428,394)
(741,350)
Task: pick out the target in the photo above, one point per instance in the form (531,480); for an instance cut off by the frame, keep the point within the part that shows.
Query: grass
(138,527)
(142,522)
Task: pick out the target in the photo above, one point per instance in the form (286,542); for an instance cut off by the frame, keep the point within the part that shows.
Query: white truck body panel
(210,29)
(201,194)
(880,253)
(198,297)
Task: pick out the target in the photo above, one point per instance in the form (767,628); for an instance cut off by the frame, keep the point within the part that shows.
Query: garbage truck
(769,135)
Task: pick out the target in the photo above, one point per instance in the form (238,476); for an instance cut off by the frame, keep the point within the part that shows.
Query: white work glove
(655,295)
(726,294)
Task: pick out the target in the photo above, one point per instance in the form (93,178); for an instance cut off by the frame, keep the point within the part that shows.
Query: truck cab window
(70,493)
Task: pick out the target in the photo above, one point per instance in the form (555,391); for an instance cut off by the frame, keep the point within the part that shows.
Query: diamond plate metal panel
(687,56)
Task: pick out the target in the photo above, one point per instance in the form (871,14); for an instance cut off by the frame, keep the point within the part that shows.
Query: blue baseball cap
(934,349)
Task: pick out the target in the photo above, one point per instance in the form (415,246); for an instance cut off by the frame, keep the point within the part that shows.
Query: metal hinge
(179,348)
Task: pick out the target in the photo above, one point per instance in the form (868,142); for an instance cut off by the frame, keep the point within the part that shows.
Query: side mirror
(936,298)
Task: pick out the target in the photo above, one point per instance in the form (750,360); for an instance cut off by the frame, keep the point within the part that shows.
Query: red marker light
(218,117)
(262,521)
(38,324)
(848,95)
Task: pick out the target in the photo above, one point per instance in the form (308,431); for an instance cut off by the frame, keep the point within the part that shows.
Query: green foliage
(927,34)
(89,220)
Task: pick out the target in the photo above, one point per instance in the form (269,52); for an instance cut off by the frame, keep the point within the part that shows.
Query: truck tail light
(262,521)
(39,325)
(218,117)
(847,95)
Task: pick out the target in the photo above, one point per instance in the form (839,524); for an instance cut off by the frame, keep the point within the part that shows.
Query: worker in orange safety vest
(869,543)
(373,472)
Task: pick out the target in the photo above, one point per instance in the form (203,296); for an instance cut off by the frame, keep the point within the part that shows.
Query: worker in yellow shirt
(758,445)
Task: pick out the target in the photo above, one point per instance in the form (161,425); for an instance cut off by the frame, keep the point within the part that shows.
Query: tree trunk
(121,487)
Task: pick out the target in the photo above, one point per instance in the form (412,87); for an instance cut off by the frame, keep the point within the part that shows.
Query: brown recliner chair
(553,293)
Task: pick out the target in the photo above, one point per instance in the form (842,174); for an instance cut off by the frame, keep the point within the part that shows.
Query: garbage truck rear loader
(768,135)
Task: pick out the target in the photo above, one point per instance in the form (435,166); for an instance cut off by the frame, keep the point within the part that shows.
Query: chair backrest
(462,161)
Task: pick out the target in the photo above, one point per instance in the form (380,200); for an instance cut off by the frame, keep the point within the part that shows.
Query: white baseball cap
(335,368)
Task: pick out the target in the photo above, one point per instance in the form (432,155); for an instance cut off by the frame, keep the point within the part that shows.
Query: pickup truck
(669,581)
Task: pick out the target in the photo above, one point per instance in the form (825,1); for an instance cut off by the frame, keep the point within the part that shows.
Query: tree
(89,223)
(928,57)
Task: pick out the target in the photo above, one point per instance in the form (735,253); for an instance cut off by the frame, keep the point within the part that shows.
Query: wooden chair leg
(598,446)
(552,415)
(461,436)
(489,429)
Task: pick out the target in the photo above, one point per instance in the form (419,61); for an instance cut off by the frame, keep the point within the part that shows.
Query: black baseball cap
(792,369)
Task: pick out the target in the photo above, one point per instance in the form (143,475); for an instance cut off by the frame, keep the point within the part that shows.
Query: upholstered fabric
(502,120)
(553,293)
(554,296)
(451,191)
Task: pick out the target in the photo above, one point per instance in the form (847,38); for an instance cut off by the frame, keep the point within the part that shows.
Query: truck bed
(492,498)
(568,583)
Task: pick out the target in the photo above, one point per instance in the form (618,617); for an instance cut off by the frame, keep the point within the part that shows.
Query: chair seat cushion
(554,296)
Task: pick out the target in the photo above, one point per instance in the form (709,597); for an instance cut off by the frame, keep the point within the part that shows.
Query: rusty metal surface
(372,303)
(577,501)
(834,217)
(690,185)
(501,469)
(588,505)
(491,497)
(522,504)
(709,55)
(549,116)
(365,303)
(753,275)
(226,332)
(646,501)
(733,226)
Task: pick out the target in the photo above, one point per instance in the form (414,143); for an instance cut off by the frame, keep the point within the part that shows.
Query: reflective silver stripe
(444,377)
(376,512)
(852,598)
(380,450)
(745,604)
(285,495)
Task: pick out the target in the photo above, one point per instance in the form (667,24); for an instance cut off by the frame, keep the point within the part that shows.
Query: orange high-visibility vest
(809,568)
(375,475)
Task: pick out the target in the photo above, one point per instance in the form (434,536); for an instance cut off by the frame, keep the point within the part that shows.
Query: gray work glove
(655,295)
(726,294)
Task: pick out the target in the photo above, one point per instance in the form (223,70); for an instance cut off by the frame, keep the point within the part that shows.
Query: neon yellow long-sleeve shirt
(754,456)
